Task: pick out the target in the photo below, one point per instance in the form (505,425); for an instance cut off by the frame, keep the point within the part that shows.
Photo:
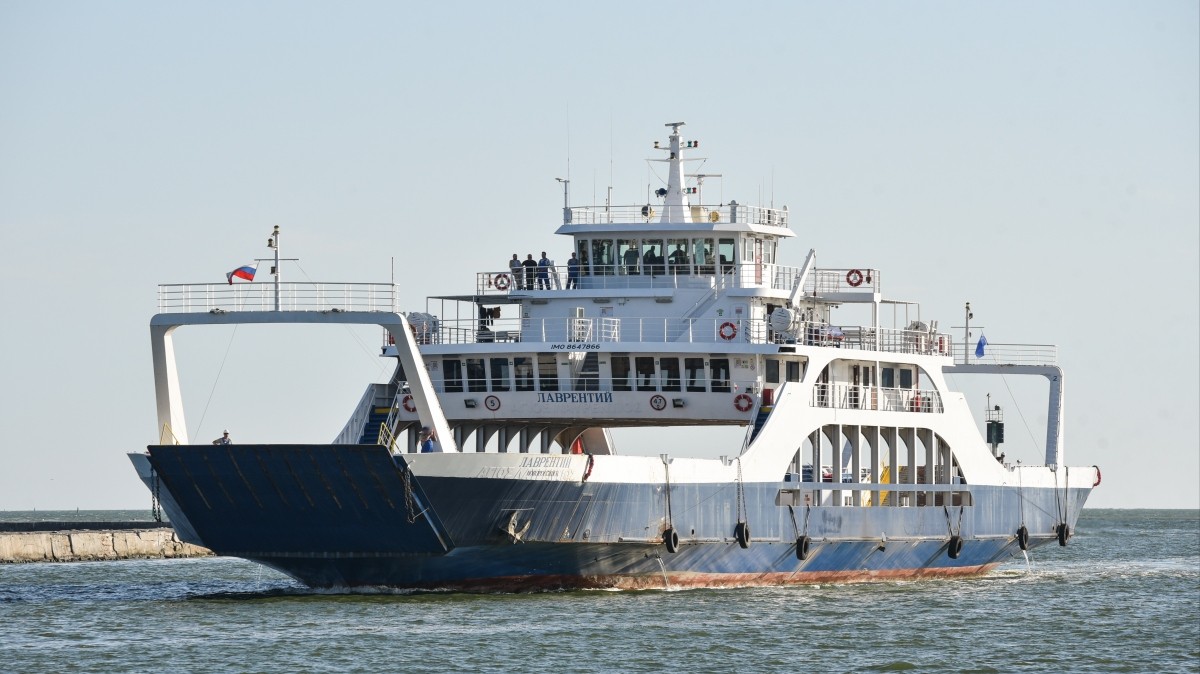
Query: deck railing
(645,214)
(1006,354)
(891,399)
(206,297)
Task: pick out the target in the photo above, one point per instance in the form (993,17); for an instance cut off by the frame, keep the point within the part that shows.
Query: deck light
(471,403)
(677,402)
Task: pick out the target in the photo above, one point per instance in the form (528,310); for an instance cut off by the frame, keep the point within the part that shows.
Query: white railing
(206,297)
(1007,354)
(824,281)
(855,397)
(652,213)
(620,277)
(678,329)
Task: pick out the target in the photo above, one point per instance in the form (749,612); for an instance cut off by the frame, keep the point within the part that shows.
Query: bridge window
(603,258)
(720,374)
(677,256)
(669,367)
(704,255)
(725,251)
(628,256)
(476,376)
(523,369)
(452,375)
(620,373)
(547,372)
(695,374)
(500,374)
(645,373)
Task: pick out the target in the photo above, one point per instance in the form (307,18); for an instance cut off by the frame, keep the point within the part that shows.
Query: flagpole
(273,243)
(967,336)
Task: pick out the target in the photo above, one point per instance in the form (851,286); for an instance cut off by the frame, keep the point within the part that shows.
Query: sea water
(1123,596)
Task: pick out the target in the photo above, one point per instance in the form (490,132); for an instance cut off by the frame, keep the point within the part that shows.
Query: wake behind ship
(858,461)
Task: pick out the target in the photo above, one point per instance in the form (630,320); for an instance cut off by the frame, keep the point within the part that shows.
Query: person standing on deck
(223,440)
(573,272)
(514,268)
(428,445)
(543,272)
(530,270)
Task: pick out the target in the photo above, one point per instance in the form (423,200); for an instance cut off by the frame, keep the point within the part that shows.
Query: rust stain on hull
(678,581)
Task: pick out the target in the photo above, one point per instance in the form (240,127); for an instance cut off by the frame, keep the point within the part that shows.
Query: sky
(1039,160)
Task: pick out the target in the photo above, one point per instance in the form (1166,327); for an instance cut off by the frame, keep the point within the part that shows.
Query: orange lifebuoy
(408,404)
(1097,482)
(742,402)
(727,331)
(854,277)
(502,281)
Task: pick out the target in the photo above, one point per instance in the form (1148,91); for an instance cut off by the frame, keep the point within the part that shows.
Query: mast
(273,243)
(675,206)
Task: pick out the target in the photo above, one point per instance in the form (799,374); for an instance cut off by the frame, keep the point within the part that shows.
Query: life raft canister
(727,331)
(742,402)
(854,277)
(502,281)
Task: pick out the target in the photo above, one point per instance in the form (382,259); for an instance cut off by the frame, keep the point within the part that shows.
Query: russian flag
(245,272)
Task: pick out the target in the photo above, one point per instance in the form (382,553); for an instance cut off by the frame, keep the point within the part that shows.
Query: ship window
(620,373)
(476,377)
(602,257)
(702,253)
(628,256)
(669,369)
(906,378)
(583,257)
(678,258)
(772,374)
(547,372)
(793,370)
(500,374)
(523,369)
(720,374)
(452,375)
(887,377)
(725,250)
(645,373)
(653,258)
(695,374)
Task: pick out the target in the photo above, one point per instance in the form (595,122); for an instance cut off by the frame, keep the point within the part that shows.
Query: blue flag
(979,347)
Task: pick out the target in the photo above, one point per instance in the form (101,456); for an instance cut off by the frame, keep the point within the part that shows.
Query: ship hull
(355,516)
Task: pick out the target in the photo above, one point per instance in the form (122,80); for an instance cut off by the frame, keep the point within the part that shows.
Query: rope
(667,471)
(1020,494)
(216,380)
(741,493)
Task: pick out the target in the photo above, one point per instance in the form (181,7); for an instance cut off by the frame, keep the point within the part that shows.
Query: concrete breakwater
(91,541)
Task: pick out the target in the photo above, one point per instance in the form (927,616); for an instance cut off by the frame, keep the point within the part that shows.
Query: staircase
(370,434)
(763,413)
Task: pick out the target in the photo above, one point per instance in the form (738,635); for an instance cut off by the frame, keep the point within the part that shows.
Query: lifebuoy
(742,533)
(408,404)
(502,281)
(647,212)
(1097,482)
(954,547)
(916,403)
(1063,532)
(671,538)
(802,548)
(742,402)
(854,277)
(727,331)
(1023,537)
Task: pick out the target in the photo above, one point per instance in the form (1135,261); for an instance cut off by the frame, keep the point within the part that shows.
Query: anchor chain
(155,508)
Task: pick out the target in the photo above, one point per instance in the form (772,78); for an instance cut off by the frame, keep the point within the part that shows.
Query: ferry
(858,462)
